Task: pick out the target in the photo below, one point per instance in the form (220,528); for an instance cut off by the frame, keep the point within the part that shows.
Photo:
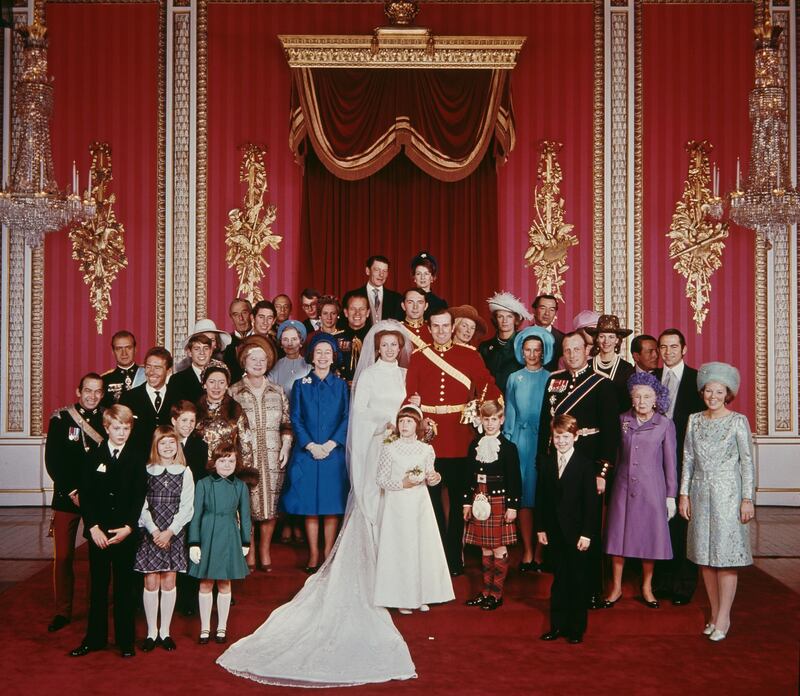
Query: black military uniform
(118,381)
(350,342)
(73,433)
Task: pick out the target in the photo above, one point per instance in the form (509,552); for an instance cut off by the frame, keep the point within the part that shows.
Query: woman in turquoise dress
(533,347)
(316,482)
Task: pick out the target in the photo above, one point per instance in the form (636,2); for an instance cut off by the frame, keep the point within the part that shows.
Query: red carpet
(629,649)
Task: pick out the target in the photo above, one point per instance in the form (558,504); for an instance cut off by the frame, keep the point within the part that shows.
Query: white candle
(74,170)
(738,175)
(41,175)
(89,194)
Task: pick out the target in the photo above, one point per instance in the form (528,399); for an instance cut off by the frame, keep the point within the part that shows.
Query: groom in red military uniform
(442,379)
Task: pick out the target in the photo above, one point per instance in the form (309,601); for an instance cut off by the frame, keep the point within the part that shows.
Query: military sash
(578,394)
(84,425)
(445,366)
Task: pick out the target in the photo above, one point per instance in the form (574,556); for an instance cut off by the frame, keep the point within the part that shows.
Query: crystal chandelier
(32,203)
(769,202)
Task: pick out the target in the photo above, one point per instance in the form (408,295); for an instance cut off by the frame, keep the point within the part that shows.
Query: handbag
(481,507)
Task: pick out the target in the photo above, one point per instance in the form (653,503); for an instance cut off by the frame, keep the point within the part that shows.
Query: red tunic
(422,331)
(437,388)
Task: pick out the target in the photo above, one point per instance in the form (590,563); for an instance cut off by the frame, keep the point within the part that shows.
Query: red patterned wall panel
(104,60)
(697,74)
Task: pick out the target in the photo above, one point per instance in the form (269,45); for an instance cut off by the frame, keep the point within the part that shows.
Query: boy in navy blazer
(566,522)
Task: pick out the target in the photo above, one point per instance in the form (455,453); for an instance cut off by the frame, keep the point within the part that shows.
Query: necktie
(562,463)
(377,303)
(671,385)
(157,402)
(114,454)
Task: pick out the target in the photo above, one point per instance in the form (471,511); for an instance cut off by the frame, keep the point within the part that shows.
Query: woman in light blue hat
(533,347)
(292,366)
(716,493)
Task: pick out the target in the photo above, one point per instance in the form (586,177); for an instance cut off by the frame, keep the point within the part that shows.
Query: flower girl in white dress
(412,568)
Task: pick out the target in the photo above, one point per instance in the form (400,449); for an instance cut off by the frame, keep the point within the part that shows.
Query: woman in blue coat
(533,347)
(317,483)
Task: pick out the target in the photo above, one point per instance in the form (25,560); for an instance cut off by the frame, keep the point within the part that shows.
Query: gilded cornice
(161,178)
(638,172)
(201,162)
(598,160)
(402,49)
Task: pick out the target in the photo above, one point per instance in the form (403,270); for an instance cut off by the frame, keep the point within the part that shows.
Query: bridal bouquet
(416,475)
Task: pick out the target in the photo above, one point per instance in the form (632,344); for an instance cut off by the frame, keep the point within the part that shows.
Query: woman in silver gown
(331,633)
(716,493)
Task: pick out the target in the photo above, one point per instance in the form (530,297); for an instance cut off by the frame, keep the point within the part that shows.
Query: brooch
(558,386)
(625,425)
(306,380)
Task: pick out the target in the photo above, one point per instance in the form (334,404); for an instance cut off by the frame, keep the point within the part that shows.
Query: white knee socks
(168,598)
(150,601)
(223,607)
(205,601)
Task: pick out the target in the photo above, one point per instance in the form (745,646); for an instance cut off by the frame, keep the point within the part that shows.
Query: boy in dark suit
(566,507)
(112,493)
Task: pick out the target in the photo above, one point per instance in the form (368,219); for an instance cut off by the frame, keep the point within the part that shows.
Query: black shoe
(477,600)
(128,651)
(168,644)
(455,572)
(149,644)
(575,639)
(205,636)
(525,566)
(221,637)
(491,603)
(608,604)
(310,570)
(655,604)
(58,622)
(80,651)
(552,634)
(680,600)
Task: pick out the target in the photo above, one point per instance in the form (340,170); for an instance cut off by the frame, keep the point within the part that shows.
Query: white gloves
(283,455)
(245,550)
(317,451)
(671,509)
(194,554)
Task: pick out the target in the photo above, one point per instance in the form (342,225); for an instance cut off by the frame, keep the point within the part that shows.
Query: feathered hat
(506,301)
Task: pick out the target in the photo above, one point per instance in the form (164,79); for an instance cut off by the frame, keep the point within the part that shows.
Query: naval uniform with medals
(120,380)
(447,378)
(591,399)
(73,432)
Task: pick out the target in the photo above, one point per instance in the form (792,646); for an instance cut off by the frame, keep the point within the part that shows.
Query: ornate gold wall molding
(201,162)
(161,178)
(638,172)
(37,340)
(397,48)
(598,160)
(761,307)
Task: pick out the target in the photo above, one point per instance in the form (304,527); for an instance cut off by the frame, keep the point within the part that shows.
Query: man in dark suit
(677,578)
(186,384)
(545,310)
(74,431)
(566,522)
(112,492)
(592,400)
(383,303)
(241,314)
(644,351)
(309,303)
(151,401)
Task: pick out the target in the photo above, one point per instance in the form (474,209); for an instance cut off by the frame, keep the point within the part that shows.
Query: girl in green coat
(219,536)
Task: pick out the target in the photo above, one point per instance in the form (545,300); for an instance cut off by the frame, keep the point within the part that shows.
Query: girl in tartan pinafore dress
(162,551)
(494,471)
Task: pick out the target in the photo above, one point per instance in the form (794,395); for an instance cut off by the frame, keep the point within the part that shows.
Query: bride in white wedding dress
(330,633)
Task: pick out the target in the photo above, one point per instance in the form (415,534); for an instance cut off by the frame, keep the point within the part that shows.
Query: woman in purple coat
(645,485)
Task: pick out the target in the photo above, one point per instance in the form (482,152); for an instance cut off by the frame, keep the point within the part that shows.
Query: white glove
(283,455)
(245,550)
(194,554)
(317,451)
(328,447)
(671,509)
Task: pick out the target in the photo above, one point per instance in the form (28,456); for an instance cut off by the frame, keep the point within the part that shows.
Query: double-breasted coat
(645,476)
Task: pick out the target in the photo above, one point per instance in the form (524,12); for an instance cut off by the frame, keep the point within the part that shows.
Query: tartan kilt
(493,532)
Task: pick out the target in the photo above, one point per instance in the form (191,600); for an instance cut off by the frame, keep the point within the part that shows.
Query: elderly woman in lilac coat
(645,485)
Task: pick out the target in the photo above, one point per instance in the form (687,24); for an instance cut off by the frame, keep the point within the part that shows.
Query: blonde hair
(117,412)
(492,407)
(162,432)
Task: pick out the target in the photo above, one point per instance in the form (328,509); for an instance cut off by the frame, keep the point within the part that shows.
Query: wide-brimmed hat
(469,312)
(548,342)
(203,326)
(293,324)
(608,323)
(256,342)
(507,301)
(322,337)
(584,319)
(424,256)
(720,372)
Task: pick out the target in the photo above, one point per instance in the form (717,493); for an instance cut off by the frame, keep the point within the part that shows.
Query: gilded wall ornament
(549,236)
(250,228)
(697,244)
(98,244)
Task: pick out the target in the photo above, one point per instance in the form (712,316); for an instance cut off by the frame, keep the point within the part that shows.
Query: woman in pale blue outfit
(716,494)
(533,347)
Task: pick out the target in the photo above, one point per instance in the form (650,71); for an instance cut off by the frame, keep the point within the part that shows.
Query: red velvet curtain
(397,212)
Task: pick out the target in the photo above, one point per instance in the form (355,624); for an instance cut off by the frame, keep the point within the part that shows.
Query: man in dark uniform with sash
(73,432)
(443,380)
(591,399)
(127,374)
